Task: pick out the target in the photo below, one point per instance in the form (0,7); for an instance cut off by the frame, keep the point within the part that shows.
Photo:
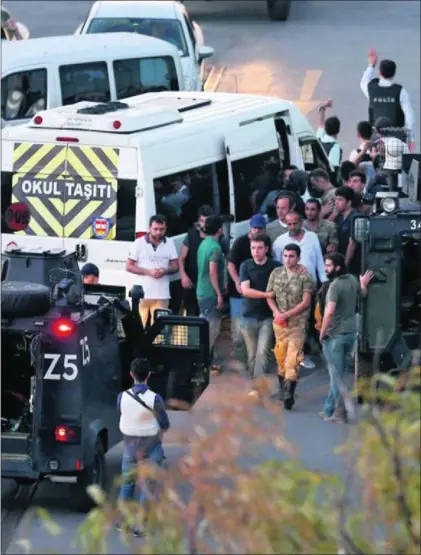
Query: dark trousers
(190,302)
(312,333)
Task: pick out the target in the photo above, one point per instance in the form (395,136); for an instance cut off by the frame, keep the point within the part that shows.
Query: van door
(34,215)
(247,149)
(100,207)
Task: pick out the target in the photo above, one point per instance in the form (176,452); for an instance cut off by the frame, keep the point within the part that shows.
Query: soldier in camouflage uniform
(293,288)
(324,229)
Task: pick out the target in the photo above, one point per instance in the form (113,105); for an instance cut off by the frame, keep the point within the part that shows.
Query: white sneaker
(308,363)
(253,393)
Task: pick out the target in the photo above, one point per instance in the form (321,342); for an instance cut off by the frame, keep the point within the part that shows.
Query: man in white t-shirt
(153,258)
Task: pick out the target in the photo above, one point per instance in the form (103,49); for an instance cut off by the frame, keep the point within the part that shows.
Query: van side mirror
(205,52)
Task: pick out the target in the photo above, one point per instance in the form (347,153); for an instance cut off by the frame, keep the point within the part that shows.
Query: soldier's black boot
(281,381)
(289,394)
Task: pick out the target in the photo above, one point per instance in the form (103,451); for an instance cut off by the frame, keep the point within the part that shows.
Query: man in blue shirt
(142,422)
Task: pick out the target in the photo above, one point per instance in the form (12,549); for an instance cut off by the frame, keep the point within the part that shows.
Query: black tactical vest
(328,147)
(384,102)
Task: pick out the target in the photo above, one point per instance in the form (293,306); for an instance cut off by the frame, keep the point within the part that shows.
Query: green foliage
(226,505)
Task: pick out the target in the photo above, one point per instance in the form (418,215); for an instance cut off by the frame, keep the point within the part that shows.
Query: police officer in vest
(386,98)
(142,422)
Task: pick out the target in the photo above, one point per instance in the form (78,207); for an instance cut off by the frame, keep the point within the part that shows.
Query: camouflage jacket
(326,232)
(289,290)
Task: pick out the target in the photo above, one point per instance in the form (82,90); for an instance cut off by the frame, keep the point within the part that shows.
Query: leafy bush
(220,499)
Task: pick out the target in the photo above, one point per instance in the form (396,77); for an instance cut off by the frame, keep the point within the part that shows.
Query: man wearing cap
(239,253)
(386,98)
(90,274)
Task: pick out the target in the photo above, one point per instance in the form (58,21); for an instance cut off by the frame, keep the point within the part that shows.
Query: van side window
(84,82)
(126,210)
(313,155)
(178,196)
(142,75)
(254,179)
(23,94)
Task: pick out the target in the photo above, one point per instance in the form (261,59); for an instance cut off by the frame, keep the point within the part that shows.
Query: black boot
(279,395)
(289,394)
(281,381)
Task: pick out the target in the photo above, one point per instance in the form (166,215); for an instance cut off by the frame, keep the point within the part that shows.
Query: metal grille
(178,335)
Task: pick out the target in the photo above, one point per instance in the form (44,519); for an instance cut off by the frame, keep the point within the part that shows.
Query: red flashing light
(63,327)
(140,234)
(67,140)
(78,465)
(38,120)
(116,124)
(64,434)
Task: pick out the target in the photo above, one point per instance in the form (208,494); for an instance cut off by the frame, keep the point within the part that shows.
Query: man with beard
(188,259)
(322,188)
(153,258)
(338,331)
(325,230)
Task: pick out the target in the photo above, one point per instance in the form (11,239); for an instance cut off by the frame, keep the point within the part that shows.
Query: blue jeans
(128,469)
(336,350)
(208,310)
(259,338)
(236,332)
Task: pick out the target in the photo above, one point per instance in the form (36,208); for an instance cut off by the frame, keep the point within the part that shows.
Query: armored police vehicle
(390,244)
(66,352)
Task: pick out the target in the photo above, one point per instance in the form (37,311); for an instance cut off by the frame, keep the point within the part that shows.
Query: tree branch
(398,474)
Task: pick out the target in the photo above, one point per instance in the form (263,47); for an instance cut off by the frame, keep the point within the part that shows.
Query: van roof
(80,48)
(162,9)
(153,116)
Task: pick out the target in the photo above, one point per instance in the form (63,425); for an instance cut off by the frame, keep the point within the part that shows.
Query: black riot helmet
(297,182)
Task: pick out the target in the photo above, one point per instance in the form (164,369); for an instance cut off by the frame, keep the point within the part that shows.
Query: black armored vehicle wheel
(278,10)
(21,298)
(93,475)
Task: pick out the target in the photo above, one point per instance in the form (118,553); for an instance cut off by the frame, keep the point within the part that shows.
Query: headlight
(361,229)
(389,205)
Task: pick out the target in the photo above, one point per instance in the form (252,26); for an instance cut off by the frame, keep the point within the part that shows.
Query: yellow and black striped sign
(71,191)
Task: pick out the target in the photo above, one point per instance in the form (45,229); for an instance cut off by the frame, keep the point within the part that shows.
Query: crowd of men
(277,274)
(293,281)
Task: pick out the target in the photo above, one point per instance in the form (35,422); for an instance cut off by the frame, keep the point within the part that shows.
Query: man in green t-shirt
(210,279)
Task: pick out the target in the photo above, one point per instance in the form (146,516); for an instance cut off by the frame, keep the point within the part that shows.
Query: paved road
(314,440)
(319,53)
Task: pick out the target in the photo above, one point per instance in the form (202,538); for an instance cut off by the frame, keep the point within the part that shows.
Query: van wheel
(278,10)
(92,475)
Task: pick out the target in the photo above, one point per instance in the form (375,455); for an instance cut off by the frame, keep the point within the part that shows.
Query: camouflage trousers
(289,343)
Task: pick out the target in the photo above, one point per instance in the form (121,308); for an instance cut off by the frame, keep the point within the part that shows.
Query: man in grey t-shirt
(339,329)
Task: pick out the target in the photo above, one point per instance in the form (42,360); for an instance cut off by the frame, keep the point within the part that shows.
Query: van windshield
(169,30)
(143,75)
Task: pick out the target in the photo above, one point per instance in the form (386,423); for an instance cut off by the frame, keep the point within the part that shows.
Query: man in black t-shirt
(188,259)
(256,316)
(240,251)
